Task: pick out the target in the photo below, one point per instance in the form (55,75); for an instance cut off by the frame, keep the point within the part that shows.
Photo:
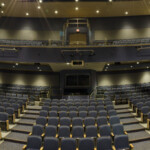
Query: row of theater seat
(92,131)
(77,121)
(23,42)
(102,143)
(82,114)
(10,109)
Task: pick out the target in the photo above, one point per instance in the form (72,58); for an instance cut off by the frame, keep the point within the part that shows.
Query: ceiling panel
(15,8)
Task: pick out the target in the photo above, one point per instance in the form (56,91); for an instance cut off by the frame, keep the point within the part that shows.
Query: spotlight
(56,12)
(27,14)
(97,11)
(2,4)
(38,7)
(77,8)
(126,13)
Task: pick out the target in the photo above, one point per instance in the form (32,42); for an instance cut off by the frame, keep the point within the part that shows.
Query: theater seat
(51,143)
(33,143)
(68,144)
(122,142)
(104,143)
(86,144)
(4,122)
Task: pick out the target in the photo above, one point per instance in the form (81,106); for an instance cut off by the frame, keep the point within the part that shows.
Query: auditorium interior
(74,75)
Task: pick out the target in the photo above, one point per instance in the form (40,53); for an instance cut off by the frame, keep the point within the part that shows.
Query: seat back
(89,121)
(86,144)
(3,116)
(101,121)
(118,129)
(64,131)
(51,143)
(65,121)
(41,121)
(105,130)
(53,121)
(44,113)
(114,120)
(68,144)
(34,142)
(121,142)
(91,131)
(77,132)
(77,121)
(37,130)
(104,143)
(50,131)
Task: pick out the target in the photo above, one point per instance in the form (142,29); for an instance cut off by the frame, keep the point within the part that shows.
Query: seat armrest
(42,148)
(24,147)
(7,125)
(30,133)
(112,134)
(131,146)
(0,134)
(84,135)
(43,135)
(98,135)
(125,132)
(14,117)
(142,117)
(148,123)
(113,147)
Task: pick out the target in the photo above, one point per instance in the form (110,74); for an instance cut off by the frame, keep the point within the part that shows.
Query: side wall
(122,78)
(30,79)
(110,28)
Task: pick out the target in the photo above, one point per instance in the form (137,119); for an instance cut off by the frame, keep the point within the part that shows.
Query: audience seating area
(121,42)
(24,42)
(79,123)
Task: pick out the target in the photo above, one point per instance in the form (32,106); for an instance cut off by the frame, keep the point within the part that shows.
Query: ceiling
(19,8)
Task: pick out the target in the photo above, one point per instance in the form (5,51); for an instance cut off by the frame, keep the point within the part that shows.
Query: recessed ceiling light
(126,13)
(56,12)
(108,64)
(76,0)
(40,1)
(27,14)
(2,12)
(97,11)
(17,64)
(131,66)
(2,4)
(110,0)
(137,63)
(77,8)
(39,7)
(68,63)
